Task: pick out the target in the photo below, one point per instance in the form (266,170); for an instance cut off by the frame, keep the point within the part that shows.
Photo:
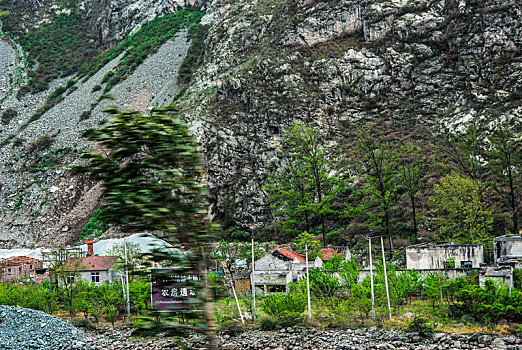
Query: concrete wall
(449,273)
(432,257)
(109,275)
(508,247)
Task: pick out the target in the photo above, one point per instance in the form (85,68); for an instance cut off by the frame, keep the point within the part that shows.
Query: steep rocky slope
(335,63)
(42,202)
(267,64)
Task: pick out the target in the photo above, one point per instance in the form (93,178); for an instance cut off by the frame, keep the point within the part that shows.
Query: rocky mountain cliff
(266,64)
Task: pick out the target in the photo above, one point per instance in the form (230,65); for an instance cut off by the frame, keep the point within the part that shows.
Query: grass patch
(8,115)
(59,47)
(95,227)
(195,53)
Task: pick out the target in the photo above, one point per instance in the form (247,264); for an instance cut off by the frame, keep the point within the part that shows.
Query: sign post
(171,290)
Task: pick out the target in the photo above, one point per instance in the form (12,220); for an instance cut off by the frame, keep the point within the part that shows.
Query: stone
(407,316)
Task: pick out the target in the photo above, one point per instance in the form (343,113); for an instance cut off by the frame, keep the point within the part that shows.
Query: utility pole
(371,277)
(127,277)
(308,284)
(252,284)
(386,279)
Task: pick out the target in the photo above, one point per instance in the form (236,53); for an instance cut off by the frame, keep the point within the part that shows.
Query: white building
(444,256)
(95,269)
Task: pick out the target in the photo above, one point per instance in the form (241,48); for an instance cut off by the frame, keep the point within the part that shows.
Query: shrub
(420,325)
(85,115)
(285,306)
(8,115)
(84,323)
(322,285)
(96,87)
(95,227)
(41,144)
(232,328)
(268,324)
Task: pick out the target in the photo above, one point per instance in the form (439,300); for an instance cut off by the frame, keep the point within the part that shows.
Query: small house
(95,269)
(274,272)
(444,256)
(19,267)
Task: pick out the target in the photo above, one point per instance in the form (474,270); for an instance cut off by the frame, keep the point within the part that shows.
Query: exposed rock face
(335,63)
(268,64)
(117,19)
(42,202)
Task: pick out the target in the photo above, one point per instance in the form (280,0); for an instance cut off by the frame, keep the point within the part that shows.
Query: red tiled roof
(290,255)
(92,263)
(327,253)
(18,260)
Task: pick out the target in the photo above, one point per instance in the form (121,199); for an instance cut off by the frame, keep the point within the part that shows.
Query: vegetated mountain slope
(42,202)
(333,64)
(267,64)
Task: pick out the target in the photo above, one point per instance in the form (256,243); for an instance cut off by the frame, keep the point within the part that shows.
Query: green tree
(411,174)
(303,188)
(504,157)
(307,240)
(151,177)
(377,161)
(465,151)
(460,213)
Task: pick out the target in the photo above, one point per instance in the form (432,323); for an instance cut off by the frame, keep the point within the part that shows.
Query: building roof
(286,254)
(327,253)
(92,263)
(18,260)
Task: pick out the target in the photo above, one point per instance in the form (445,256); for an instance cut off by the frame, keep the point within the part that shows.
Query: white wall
(433,257)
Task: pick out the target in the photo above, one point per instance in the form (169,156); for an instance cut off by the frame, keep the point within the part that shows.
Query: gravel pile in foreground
(30,329)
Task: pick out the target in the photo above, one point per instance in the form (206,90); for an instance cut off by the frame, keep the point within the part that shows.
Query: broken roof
(327,253)
(288,255)
(18,260)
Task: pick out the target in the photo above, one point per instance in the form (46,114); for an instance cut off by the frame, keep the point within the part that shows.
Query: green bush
(485,304)
(95,227)
(285,306)
(323,285)
(268,324)
(8,115)
(85,115)
(41,144)
(420,325)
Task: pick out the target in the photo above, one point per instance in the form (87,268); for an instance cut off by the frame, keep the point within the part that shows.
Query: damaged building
(444,256)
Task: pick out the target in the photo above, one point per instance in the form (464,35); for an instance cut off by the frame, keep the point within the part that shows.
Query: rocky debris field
(298,339)
(29,329)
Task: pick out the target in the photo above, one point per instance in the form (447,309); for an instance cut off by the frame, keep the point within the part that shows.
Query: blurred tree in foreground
(151,173)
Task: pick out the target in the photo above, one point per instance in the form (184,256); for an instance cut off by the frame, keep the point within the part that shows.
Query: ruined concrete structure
(18,268)
(508,251)
(444,256)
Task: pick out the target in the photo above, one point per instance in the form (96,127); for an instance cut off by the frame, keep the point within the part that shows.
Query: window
(69,279)
(95,277)
(466,264)
(9,272)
